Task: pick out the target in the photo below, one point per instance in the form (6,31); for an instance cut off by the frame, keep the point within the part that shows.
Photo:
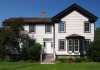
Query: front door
(48,49)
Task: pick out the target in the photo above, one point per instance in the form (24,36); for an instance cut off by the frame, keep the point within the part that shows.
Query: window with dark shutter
(48,28)
(87,42)
(87,27)
(61,44)
(31,28)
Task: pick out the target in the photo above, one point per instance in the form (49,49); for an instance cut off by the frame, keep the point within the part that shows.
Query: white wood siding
(74,25)
(39,34)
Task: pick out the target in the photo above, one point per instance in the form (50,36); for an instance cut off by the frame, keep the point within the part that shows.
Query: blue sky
(32,8)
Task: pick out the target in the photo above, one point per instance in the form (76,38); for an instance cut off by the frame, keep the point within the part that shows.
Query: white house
(66,34)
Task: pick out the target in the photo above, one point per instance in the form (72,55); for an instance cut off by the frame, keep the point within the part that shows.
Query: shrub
(65,60)
(94,51)
(81,59)
(31,50)
(35,51)
(62,60)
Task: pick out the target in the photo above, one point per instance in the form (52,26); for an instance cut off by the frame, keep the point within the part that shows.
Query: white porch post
(41,54)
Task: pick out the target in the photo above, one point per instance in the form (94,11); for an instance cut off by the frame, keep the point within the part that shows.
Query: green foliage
(93,51)
(35,51)
(31,50)
(66,60)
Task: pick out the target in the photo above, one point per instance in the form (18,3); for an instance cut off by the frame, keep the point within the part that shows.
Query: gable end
(90,16)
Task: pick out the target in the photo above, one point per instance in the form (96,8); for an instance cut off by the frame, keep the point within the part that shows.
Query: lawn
(31,66)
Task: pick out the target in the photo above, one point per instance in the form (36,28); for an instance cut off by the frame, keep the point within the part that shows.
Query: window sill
(76,52)
(87,32)
(48,32)
(62,32)
(62,49)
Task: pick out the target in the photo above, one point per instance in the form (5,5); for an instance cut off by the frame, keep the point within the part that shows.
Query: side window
(48,28)
(31,28)
(61,27)
(87,27)
(87,42)
(61,44)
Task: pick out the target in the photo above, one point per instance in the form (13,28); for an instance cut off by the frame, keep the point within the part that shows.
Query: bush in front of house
(31,50)
(65,60)
(93,52)
(35,52)
(72,60)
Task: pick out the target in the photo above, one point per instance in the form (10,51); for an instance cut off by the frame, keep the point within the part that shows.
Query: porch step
(49,59)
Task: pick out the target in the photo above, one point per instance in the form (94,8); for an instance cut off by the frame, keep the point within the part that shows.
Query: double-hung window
(31,28)
(87,27)
(62,44)
(61,27)
(48,28)
(87,43)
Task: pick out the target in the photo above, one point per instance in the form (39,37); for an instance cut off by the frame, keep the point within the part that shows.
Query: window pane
(61,44)
(62,26)
(76,45)
(31,28)
(70,45)
(70,48)
(47,28)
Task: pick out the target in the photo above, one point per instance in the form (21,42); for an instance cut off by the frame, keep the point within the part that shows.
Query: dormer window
(87,27)
(61,27)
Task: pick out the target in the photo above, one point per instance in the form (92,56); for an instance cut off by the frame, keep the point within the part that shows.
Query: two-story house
(66,34)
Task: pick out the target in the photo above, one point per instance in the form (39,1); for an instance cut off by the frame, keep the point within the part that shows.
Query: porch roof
(75,36)
(28,20)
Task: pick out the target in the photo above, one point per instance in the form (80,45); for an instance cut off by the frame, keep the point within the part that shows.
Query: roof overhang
(74,7)
(75,36)
(27,21)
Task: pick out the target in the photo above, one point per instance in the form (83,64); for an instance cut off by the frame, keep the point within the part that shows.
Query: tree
(30,49)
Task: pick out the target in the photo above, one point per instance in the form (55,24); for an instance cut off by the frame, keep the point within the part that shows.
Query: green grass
(31,66)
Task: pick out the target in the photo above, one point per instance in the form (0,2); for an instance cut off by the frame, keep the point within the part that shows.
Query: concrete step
(49,59)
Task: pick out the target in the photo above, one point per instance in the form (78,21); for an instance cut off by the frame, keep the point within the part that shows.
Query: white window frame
(70,51)
(77,46)
(73,46)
